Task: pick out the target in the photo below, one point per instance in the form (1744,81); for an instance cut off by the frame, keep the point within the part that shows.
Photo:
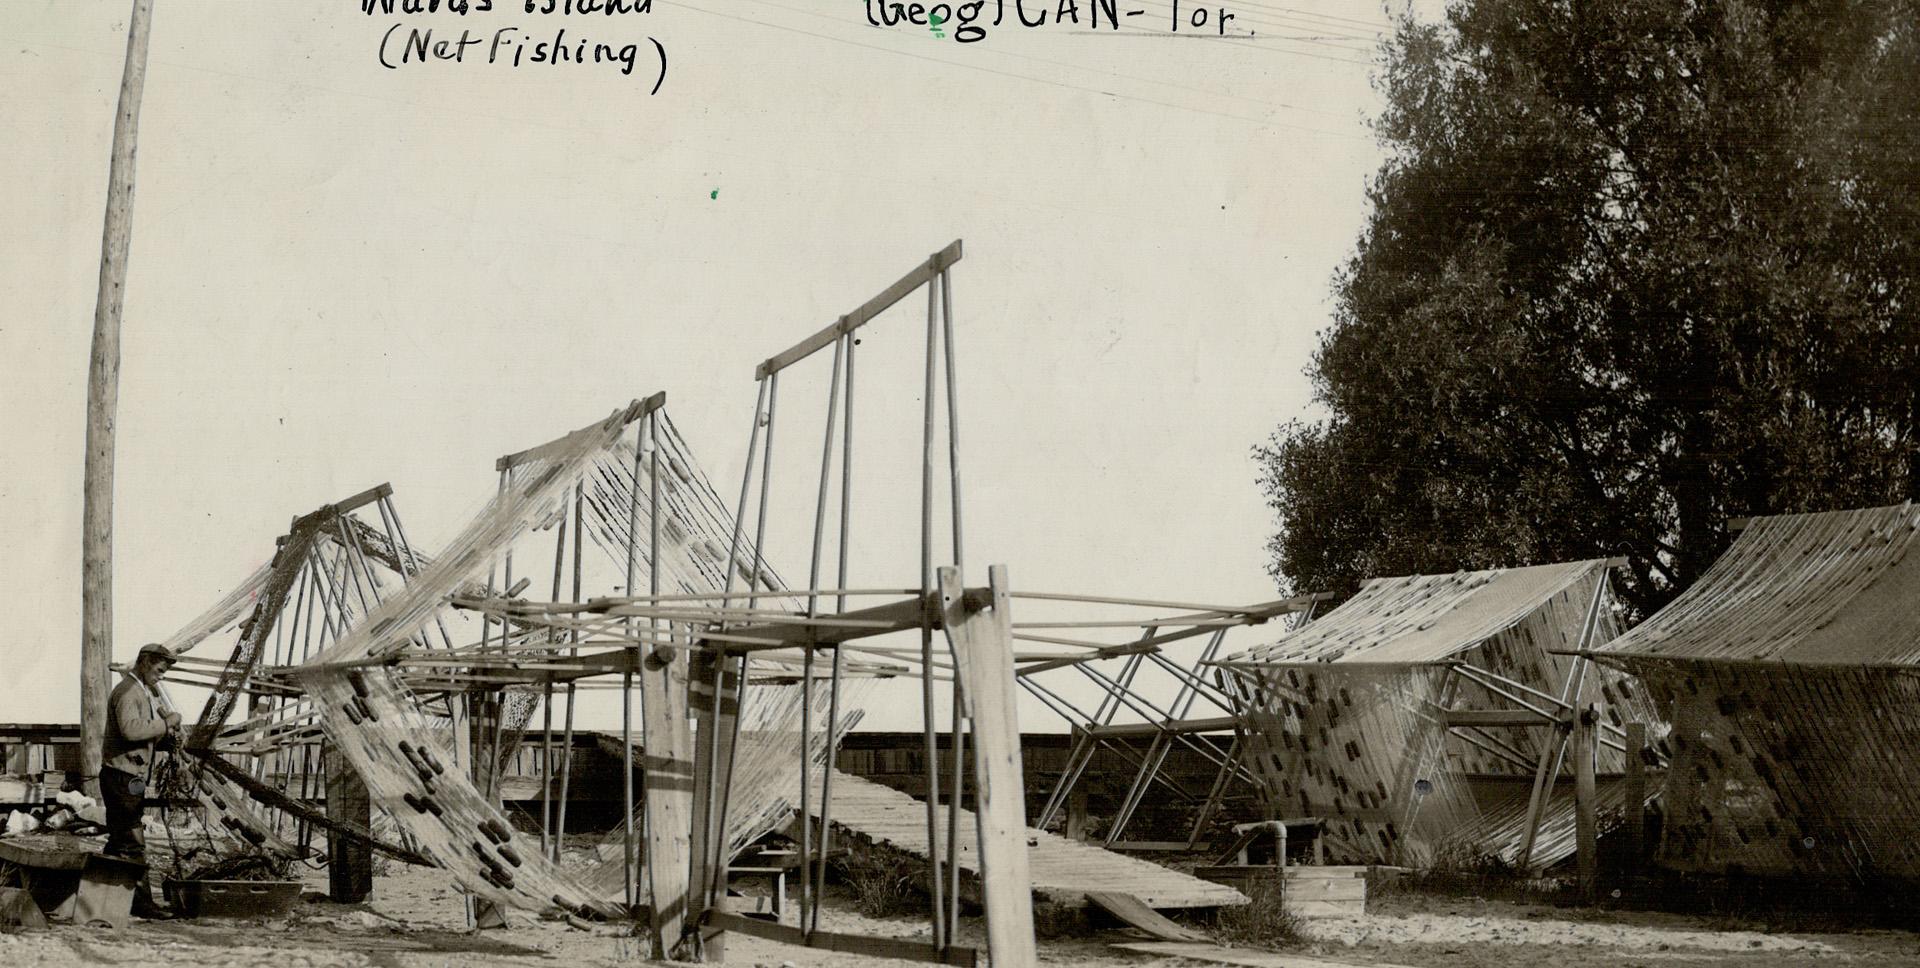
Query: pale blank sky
(343,275)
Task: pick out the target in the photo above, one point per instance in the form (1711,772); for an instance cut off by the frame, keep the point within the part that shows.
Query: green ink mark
(934,21)
(715,195)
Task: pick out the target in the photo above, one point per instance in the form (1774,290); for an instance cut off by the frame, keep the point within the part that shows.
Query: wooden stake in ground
(1636,783)
(103,398)
(1586,817)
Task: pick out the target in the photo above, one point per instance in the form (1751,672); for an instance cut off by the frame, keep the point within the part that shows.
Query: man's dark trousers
(125,799)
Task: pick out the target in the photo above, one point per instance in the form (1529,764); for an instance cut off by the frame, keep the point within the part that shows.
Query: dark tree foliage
(1634,268)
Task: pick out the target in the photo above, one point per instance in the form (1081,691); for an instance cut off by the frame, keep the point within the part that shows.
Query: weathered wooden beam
(279,800)
(885,619)
(349,861)
(669,777)
(1497,717)
(632,412)
(982,643)
(919,276)
(1046,665)
(1180,727)
(362,499)
(713,695)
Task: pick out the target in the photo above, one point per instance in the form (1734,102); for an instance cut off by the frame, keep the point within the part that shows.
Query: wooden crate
(1311,891)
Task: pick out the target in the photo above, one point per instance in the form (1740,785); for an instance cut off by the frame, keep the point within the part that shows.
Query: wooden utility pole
(103,398)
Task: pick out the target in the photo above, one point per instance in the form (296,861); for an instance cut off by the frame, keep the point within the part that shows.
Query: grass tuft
(884,883)
(1263,922)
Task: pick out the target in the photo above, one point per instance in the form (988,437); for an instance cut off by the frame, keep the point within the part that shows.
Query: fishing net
(696,541)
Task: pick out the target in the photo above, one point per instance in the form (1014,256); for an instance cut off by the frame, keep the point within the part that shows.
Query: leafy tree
(1633,268)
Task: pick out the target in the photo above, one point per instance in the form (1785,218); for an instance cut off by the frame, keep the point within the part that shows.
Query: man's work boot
(145,907)
(146,910)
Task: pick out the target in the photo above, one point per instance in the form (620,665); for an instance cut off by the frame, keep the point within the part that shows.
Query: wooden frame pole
(930,744)
(959,702)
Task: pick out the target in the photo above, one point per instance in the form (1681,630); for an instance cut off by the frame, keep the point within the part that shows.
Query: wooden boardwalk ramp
(1063,871)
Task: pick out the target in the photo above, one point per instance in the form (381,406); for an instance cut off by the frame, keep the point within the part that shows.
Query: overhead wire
(1210,92)
(1258,122)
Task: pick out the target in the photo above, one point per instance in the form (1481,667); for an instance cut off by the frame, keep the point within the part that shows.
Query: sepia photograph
(1122,483)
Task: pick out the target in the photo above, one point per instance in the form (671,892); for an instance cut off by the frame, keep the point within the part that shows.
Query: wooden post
(349,861)
(483,729)
(1586,820)
(668,800)
(982,641)
(714,693)
(1636,793)
(1077,815)
(103,399)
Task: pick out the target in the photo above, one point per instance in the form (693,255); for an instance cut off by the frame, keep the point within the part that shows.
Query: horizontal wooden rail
(1178,727)
(922,274)
(1497,717)
(633,411)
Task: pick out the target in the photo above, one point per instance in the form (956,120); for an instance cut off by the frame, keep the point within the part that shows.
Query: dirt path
(416,921)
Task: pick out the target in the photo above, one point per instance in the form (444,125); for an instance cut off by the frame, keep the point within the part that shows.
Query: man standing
(136,721)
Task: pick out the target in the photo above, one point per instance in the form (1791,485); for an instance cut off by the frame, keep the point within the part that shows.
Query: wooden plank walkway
(1248,957)
(1062,870)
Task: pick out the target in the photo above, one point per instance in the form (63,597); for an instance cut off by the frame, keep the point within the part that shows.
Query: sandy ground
(415,921)
(1430,932)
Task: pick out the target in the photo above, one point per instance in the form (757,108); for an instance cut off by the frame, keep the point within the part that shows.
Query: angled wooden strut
(288,560)
(625,415)
(982,640)
(272,797)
